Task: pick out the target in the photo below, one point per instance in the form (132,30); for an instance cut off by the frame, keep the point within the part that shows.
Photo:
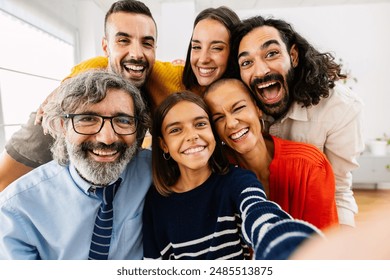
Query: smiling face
(266,67)
(101,158)
(210,50)
(235,115)
(130,45)
(187,136)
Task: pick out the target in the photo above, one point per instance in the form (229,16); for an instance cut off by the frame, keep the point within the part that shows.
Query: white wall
(90,19)
(175,29)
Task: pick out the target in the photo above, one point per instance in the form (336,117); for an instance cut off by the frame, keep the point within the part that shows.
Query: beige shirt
(334,125)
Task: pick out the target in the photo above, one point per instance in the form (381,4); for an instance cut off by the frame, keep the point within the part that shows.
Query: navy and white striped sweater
(219,220)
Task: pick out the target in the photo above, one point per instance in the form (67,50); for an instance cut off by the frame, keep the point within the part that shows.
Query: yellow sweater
(165,78)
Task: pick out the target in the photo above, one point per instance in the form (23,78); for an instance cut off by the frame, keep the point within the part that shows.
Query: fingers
(39,116)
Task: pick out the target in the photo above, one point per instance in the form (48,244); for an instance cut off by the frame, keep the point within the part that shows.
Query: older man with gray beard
(87,202)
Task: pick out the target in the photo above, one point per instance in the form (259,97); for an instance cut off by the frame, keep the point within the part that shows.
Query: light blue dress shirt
(49,213)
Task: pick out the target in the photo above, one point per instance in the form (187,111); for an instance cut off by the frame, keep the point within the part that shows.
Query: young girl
(202,208)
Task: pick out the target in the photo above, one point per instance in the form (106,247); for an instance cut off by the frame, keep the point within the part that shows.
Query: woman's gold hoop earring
(166,156)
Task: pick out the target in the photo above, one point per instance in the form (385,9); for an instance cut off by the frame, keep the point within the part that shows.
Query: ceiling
(247,4)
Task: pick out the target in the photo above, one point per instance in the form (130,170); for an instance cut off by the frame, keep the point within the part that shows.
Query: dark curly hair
(315,73)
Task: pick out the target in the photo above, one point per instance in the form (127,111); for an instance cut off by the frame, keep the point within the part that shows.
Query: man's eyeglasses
(89,124)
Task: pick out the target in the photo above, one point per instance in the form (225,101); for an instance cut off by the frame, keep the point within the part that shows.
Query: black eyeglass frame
(71,116)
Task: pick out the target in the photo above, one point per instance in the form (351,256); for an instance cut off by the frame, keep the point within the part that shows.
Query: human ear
(163,145)
(294,55)
(63,128)
(105,47)
(259,112)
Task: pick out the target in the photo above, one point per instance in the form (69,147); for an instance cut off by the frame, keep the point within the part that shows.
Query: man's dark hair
(128,6)
(315,73)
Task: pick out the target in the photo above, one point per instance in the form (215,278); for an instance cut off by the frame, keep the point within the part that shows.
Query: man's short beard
(99,173)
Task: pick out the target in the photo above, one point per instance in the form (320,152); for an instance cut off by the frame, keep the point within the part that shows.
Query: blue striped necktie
(101,236)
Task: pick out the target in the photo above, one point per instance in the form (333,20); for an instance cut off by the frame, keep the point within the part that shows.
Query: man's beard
(100,173)
(278,109)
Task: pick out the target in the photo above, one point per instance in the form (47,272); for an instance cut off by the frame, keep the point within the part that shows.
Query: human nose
(107,135)
(204,56)
(261,68)
(135,51)
(231,121)
(192,135)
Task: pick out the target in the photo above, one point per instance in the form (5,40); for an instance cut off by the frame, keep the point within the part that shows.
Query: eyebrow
(212,42)
(116,114)
(233,105)
(124,34)
(178,122)
(262,47)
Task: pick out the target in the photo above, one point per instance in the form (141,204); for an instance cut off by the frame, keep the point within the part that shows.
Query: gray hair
(88,88)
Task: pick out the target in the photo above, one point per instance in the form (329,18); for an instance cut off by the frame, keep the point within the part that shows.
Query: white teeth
(104,152)
(266,85)
(206,70)
(237,135)
(194,150)
(135,67)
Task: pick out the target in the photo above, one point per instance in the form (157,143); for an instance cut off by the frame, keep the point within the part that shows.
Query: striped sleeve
(272,232)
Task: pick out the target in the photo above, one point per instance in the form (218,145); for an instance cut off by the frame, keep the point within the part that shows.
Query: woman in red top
(295,175)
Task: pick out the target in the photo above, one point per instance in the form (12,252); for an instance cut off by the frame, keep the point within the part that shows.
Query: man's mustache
(267,78)
(116,146)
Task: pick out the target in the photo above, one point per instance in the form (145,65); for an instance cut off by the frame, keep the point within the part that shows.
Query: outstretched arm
(272,233)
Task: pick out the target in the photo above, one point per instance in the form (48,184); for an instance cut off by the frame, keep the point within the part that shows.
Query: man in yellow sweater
(164,79)
(130,47)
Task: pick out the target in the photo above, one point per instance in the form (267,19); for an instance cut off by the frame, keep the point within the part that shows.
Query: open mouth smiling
(206,71)
(194,150)
(104,152)
(134,68)
(104,155)
(270,92)
(239,135)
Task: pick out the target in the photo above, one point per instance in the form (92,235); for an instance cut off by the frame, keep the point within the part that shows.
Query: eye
(86,119)
(195,47)
(217,48)
(271,54)
(201,124)
(217,119)
(124,121)
(174,130)
(239,108)
(245,63)
(149,44)
(123,41)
